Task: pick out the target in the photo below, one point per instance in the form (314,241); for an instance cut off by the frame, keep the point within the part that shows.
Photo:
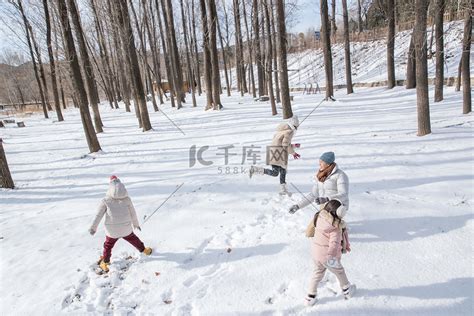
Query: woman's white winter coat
(120,215)
(336,187)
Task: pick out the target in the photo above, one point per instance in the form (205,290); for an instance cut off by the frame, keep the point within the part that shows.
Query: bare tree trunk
(439,34)
(6,180)
(250,52)
(269,59)
(284,85)
(466,52)
(122,62)
(104,57)
(224,59)
(227,47)
(33,60)
(77,81)
(411,64)
(347,48)
(359,16)
(40,66)
(391,44)
(52,64)
(326,41)
(173,50)
(275,55)
(86,66)
(258,57)
(239,59)
(207,55)
(188,57)
(155,50)
(58,69)
(146,67)
(195,49)
(333,20)
(422,101)
(216,78)
(164,45)
(128,38)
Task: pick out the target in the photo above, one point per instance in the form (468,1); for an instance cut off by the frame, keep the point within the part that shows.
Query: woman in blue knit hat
(332,184)
(332,187)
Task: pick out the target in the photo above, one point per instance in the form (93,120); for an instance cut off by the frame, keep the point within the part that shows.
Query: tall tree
(104,54)
(274,53)
(439,34)
(155,51)
(281,35)
(122,62)
(6,180)
(33,60)
(390,9)
(77,81)
(173,51)
(326,41)
(359,16)
(224,57)
(128,39)
(146,68)
(269,58)
(347,48)
(411,64)
(250,52)
(258,57)
(52,63)
(207,55)
(333,19)
(466,52)
(216,77)
(197,70)
(165,48)
(422,100)
(86,66)
(239,58)
(188,55)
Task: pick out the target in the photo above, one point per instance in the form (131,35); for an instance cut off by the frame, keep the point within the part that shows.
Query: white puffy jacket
(336,186)
(119,212)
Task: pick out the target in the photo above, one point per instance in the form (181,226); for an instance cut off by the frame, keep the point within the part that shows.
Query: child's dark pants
(110,243)
(275,171)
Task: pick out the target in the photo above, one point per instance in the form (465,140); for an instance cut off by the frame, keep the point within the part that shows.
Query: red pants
(110,243)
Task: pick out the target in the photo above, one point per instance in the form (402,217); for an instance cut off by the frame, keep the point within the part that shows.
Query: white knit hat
(293,122)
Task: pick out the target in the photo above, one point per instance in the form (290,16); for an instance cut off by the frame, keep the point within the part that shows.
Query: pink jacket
(326,242)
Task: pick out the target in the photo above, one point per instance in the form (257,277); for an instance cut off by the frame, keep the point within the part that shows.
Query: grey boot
(284,190)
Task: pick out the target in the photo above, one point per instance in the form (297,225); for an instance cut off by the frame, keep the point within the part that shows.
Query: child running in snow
(278,152)
(120,216)
(326,249)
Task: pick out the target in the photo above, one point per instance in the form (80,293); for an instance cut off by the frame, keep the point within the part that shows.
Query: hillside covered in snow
(369,60)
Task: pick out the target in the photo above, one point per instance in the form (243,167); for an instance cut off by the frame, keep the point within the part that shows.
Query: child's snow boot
(255,169)
(284,190)
(104,265)
(147,251)
(100,260)
(349,291)
(310,300)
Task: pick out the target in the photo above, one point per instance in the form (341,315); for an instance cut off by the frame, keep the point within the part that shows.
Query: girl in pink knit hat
(120,220)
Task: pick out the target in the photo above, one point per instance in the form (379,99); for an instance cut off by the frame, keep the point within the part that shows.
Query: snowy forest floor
(225,244)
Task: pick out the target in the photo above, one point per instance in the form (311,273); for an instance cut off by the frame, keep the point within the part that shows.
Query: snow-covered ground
(225,244)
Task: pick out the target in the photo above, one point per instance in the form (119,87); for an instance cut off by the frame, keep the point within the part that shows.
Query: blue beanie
(328,157)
